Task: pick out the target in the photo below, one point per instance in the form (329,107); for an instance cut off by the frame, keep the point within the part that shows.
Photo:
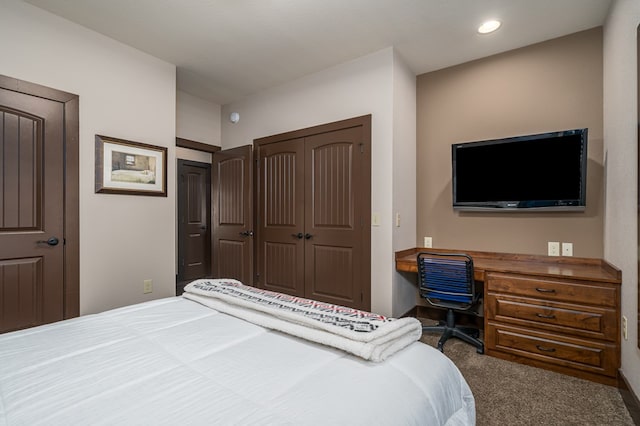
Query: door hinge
(361,148)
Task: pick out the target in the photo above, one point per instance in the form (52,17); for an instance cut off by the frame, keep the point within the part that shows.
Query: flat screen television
(546,171)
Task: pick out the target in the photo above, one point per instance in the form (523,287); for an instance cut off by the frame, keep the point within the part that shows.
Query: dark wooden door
(232,206)
(281,217)
(31,210)
(194,220)
(314,213)
(334,194)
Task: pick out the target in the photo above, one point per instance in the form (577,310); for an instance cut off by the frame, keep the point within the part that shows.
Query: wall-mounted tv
(546,171)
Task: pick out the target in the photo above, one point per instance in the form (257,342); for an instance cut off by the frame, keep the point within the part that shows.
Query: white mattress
(174,361)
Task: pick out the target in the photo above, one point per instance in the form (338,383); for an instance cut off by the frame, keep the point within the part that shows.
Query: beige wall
(126,94)
(621,153)
(197,119)
(550,86)
(404,179)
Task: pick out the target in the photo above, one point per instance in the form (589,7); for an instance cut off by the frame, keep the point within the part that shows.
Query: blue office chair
(446,281)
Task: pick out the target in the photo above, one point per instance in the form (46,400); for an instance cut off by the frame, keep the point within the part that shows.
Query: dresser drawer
(549,289)
(579,320)
(564,351)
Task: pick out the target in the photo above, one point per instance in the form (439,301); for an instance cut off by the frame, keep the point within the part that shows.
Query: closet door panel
(281,217)
(333,226)
(331,269)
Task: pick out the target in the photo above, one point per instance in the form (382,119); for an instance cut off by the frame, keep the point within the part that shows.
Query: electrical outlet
(567,249)
(428,242)
(553,248)
(624,328)
(148,286)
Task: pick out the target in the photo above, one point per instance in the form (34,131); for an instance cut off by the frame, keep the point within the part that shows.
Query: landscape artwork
(127,167)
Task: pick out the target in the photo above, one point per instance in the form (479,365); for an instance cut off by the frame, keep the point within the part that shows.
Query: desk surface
(579,268)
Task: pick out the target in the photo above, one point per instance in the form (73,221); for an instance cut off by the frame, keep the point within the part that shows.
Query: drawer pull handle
(546,316)
(545,290)
(543,349)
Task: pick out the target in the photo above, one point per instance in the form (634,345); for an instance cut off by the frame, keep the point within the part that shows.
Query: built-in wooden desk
(558,313)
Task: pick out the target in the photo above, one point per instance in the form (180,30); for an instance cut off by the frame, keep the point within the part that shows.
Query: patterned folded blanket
(370,336)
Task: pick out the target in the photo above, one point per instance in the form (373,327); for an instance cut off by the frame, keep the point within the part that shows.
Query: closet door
(314,210)
(281,217)
(334,195)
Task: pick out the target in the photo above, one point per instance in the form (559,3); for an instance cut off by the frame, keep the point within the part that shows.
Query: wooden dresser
(557,313)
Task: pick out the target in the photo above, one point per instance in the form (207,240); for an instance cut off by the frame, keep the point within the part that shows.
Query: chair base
(449,329)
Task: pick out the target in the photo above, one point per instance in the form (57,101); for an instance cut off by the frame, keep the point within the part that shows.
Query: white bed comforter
(174,361)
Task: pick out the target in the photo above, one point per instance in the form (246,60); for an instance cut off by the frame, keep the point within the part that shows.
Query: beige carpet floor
(513,394)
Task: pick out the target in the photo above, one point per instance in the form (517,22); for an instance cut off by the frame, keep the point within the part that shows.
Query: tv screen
(545,171)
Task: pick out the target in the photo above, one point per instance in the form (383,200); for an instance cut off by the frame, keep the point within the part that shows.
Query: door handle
(308,236)
(247,233)
(53,241)
(299,235)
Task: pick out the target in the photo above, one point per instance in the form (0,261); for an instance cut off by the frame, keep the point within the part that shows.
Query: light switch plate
(375,219)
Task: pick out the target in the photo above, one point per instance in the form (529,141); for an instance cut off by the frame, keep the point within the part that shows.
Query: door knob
(308,236)
(53,241)
(247,233)
(299,235)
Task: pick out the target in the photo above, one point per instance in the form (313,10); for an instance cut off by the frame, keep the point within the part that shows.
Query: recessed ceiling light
(489,27)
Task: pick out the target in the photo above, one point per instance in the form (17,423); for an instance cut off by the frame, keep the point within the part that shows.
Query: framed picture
(126,167)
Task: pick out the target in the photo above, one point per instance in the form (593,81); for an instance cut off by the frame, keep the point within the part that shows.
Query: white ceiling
(225,50)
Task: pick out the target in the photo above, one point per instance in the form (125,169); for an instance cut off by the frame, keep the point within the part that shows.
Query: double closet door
(313,213)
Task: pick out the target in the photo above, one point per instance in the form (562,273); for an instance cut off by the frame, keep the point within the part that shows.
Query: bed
(179,361)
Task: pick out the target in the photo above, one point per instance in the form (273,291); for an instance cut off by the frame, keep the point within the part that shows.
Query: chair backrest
(446,279)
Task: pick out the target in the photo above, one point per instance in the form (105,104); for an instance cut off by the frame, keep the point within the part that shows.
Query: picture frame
(130,168)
